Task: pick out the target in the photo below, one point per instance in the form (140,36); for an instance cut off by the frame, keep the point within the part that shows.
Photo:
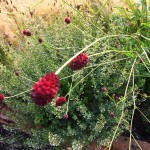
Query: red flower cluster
(60,101)
(26,32)
(112,114)
(115,97)
(40,40)
(45,89)
(17,73)
(104,89)
(2,97)
(67,20)
(79,62)
(66,116)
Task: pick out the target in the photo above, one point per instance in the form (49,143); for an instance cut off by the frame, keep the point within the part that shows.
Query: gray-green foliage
(89,108)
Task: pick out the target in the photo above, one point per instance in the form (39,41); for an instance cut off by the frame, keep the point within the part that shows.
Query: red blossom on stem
(79,62)
(66,116)
(67,20)
(60,101)
(40,40)
(2,97)
(26,32)
(103,89)
(17,73)
(115,97)
(45,89)
(112,114)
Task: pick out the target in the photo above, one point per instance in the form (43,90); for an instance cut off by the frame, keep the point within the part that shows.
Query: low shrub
(100,87)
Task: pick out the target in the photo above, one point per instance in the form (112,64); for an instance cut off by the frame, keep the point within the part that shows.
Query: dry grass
(14,12)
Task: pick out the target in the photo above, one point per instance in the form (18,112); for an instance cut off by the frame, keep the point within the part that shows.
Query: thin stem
(69,93)
(26,78)
(70,75)
(81,30)
(132,113)
(123,106)
(109,62)
(37,4)
(136,141)
(17,94)
(90,9)
(129,78)
(104,4)
(10,13)
(143,115)
(144,63)
(111,98)
(143,37)
(144,11)
(145,54)
(109,51)
(120,120)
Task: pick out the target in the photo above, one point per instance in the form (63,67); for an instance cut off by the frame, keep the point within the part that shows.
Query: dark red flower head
(115,97)
(103,89)
(79,62)
(45,89)
(17,73)
(112,114)
(40,40)
(60,101)
(26,32)
(67,20)
(66,116)
(2,97)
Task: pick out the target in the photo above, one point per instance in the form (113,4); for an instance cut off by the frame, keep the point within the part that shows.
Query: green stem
(129,78)
(132,113)
(109,51)
(143,36)
(104,4)
(123,107)
(37,4)
(69,95)
(17,94)
(136,141)
(120,120)
(144,63)
(143,115)
(111,98)
(81,30)
(145,54)
(144,11)
(26,78)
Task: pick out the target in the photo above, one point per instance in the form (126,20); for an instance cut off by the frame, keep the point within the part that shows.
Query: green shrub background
(114,63)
